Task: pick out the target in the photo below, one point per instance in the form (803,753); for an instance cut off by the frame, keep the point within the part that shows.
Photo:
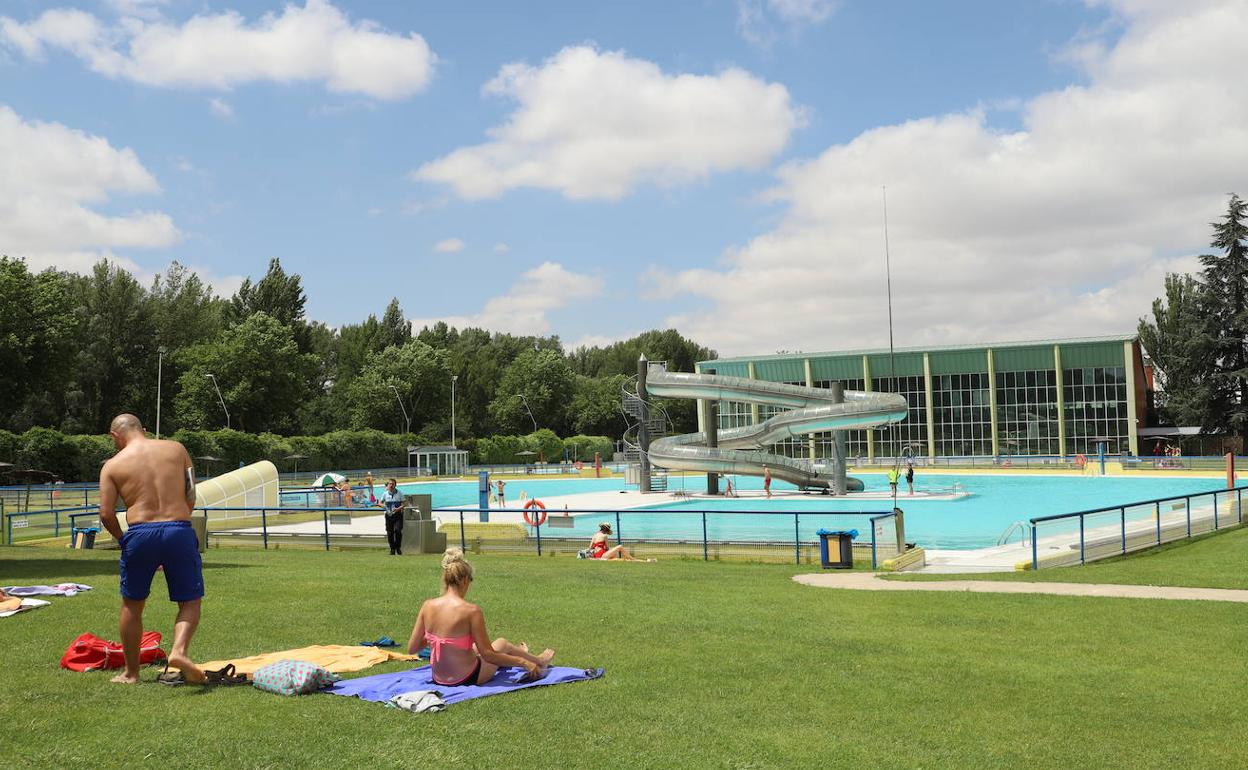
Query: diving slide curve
(741,450)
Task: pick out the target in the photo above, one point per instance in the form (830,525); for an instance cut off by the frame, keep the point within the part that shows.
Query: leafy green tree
(1225,279)
(1181,340)
(279,295)
(583,448)
(394,330)
(536,386)
(115,341)
(184,312)
(36,330)
(549,447)
(414,373)
(595,406)
(261,373)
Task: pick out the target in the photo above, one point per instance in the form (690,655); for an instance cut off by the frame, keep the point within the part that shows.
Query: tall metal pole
(525,401)
(892,360)
(710,420)
(213,377)
(839,482)
(160,362)
(406,419)
(453,378)
(643,429)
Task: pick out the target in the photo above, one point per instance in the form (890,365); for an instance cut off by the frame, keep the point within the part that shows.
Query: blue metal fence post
(1215,511)
(1123,512)
(1081,551)
(538,529)
(325,518)
(705,555)
(1239,504)
(57,518)
(797,542)
(1157,509)
(1188,503)
(264,527)
(619,536)
(874,564)
(463,541)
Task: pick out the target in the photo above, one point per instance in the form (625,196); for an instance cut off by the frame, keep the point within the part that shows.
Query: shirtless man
(157,483)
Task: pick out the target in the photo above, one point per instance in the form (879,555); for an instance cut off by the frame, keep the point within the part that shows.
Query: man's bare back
(153,478)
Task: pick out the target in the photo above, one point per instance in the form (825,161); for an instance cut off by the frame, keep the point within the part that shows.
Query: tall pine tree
(1225,279)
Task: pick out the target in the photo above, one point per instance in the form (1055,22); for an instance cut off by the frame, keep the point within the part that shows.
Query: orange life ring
(1080,460)
(541,517)
(580,465)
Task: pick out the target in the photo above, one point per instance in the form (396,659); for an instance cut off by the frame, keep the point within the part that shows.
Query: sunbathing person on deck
(452,628)
(599,547)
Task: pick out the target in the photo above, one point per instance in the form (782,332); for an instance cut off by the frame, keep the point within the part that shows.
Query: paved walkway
(869,581)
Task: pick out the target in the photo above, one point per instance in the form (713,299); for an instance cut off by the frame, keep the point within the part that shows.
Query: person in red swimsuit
(767,480)
(460,649)
(599,546)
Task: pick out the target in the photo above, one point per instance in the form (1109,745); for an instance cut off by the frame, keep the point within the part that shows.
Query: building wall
(1048,398)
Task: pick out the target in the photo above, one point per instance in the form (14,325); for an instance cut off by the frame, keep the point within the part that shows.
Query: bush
(548,446)
(9,444)
(45,449)
(583,448)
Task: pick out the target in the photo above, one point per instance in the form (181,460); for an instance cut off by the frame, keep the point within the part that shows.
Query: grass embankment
(1214,560)
(708,665)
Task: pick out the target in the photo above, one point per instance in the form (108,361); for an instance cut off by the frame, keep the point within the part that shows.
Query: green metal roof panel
(840,368)
(996,346)
(781,370)
(732,368)
(1023,359)
(959,361)
(1103,354)
(908,365)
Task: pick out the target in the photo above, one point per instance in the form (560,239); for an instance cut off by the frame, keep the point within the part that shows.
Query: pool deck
(868,581)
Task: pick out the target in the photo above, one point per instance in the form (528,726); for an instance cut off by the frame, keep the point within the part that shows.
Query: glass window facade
(790,447)
(962,413)
(1027,412)
(912,431)
(855,440)
(1095,402)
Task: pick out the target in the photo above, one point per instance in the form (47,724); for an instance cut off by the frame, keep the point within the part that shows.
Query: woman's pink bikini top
(436,643)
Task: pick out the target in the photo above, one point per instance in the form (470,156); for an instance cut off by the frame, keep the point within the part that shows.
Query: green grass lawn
(1215,560)
(708,665)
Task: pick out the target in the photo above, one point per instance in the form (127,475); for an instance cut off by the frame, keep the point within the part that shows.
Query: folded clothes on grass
(60,589)
(13,606)
(381,641)
(383,688)
(338,658)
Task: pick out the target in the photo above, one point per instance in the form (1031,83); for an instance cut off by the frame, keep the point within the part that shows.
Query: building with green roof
(1048,397)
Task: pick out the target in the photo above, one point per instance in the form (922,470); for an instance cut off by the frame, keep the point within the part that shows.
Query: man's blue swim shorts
(169,544)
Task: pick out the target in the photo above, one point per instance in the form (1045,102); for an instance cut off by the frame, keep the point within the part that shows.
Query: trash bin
(83,537)
(844,540)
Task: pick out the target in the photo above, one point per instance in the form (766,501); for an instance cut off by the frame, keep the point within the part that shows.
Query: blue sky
(742,206)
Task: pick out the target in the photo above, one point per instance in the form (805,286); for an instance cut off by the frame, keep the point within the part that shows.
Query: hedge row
(78,458)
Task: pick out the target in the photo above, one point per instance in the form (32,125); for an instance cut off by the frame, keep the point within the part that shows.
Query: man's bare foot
(124,678)
(546,657)
(192,673)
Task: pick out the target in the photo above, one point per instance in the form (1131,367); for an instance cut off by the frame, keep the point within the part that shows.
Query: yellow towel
(338,658)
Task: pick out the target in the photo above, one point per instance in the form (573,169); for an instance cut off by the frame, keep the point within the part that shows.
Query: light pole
(213,377)
(160,362)
(525,401)
(398,398)
(453,378)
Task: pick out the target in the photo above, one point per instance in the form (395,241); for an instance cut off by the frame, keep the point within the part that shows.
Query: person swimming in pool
(461,652)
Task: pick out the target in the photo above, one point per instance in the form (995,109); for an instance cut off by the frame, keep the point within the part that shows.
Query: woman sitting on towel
(599,547)
(452,628)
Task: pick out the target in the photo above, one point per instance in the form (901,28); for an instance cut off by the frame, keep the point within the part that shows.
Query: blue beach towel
(381,687)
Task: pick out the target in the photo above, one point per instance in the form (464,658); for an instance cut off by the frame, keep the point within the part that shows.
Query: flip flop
(225,676)
(171,678)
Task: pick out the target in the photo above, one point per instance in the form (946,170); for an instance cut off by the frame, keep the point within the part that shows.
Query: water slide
(741,450)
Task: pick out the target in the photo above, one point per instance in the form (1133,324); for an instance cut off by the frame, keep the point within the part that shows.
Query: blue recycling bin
(844,539)
(83,537)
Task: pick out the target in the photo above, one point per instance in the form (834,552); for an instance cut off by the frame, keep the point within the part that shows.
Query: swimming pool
(976,521)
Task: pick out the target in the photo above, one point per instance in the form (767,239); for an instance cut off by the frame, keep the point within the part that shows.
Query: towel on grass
(338,658)
(25,604)
(60,589)
(381,688)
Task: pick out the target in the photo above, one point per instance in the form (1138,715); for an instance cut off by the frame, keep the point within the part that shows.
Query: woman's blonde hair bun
(455,568)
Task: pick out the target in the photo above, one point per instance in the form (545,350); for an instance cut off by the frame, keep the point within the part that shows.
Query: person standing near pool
(156,481)
(501,485)
(392,500)
(767,481)
(910,476)
(893,475)
(372,497)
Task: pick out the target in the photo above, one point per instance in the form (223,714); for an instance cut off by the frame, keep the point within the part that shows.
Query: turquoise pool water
(970,522)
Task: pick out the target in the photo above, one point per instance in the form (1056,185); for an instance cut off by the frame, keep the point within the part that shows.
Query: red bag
(91,653)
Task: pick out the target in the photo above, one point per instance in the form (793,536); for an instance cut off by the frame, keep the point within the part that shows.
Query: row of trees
(75,350)
(1198,334)
(79,457)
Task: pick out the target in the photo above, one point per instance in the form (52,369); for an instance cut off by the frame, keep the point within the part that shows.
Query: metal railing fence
(1077,538)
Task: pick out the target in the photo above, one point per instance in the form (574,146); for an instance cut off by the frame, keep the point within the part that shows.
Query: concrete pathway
(869,581)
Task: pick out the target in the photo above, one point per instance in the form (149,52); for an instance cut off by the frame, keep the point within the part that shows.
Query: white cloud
(501,248)
(221,108)
(524,308)
(316,42)
(449,246)
(760,22)
(593,124)
(57,177)
(1062,228)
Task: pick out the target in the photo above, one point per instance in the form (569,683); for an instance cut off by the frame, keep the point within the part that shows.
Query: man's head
(124,429)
